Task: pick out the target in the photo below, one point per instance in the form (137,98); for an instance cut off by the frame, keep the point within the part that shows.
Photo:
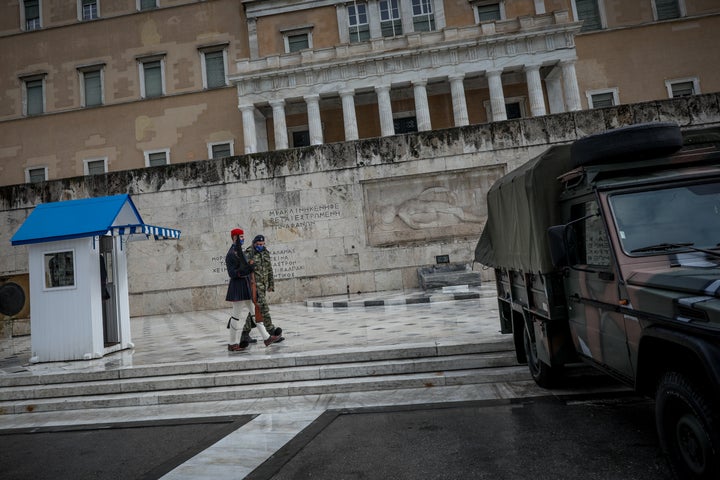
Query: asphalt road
(598,437)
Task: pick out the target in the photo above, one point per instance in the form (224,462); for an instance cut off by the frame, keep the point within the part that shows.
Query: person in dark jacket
(239,292)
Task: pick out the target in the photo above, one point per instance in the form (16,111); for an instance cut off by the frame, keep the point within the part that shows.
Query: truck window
(688,214)
(593,245)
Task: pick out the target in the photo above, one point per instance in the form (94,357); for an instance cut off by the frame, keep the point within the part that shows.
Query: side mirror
(563,245)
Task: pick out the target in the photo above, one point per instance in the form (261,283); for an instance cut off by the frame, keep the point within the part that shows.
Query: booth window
(59,269)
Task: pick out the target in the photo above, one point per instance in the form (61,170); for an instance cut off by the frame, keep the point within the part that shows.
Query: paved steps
(247,376)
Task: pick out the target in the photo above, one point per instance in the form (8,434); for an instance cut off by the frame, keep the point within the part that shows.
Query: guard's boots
(245,339)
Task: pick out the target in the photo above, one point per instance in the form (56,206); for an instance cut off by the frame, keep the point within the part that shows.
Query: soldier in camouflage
(259,256)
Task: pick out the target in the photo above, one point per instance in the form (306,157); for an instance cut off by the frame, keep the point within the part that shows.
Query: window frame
(142,62)
(297,31)
(210,146)
(24,19)
(476,4)
(296,129)
(147,154)
(88,161)
(140,9)
(395,23)
(682,11)
(590,93)
(360,32)
(521,100)
(46,272)
(601,14)
(672,81)
(81,11)
(204,51)
(82,71)
(429,15)
(26,98)
(28,175)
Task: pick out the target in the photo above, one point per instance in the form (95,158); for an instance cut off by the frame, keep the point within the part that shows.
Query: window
(602,98)
(297,38)
(91,86)
(152,78)
(423,17)
(95,166)
(589,12)
(220,150)
(299,136)
(36,174)
(668,9)
(31,15)
(390,22)
(213,62)
(405,125)
(34,93)
(593,244)
(487,12)
(682,87)
(513,110)
(59,269)
(89,9)
(155,158)
(358,22)
(147,4)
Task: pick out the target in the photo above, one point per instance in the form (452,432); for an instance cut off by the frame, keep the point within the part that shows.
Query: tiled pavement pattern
(329,326)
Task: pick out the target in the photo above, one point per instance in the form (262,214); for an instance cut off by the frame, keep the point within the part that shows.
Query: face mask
(240,241)
(259,248)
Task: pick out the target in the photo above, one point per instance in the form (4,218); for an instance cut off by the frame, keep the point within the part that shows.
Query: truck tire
(634,142)
(543,374)
(687,425)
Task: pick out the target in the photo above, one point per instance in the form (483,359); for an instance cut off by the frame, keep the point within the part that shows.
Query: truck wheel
(543,374)
(687,426)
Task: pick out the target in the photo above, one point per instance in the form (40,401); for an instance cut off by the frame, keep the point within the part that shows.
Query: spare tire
(634,142)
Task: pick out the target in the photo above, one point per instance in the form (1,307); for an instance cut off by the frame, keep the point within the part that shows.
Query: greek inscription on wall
(286,264)
(302,217)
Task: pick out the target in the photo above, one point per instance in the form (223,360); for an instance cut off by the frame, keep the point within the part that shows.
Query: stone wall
(356,216)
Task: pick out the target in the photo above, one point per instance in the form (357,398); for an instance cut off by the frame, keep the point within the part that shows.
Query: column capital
(246,107)
(456,76)
(531,66)
(567,62)
(494,72)
(347,93)
(419,83)
(278,102)
(313,97)
(382,88)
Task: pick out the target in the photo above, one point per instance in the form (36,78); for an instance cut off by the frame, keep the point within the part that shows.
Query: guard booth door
(111,326)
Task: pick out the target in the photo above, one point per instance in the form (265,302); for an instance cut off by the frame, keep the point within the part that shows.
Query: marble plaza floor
(328,324)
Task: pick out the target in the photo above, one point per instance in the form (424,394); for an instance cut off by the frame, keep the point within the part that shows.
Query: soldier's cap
(258,238)
(236,231)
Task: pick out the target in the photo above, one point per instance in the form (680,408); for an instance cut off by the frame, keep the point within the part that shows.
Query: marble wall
(354,216)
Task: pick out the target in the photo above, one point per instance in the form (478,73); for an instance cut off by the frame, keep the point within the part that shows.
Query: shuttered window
(89,9)
(152,76)
(589,13)
(148,4)
(92,83)
(34,97)
(390,23)
(667,9)
(215,69)
(488,12)
(95,167)
(298,42)
(32,14)
(601,100)
(220,150)
(358,22)
(683,89)
(36,175)
(423,16)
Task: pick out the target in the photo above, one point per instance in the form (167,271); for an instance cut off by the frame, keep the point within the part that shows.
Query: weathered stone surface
(320,208)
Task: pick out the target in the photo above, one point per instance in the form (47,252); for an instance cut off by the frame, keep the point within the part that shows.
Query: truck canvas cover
(522,205)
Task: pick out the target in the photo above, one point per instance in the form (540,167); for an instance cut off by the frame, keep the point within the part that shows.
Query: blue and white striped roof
(87,217)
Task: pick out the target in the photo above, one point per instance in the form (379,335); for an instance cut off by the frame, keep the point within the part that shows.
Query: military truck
(607,251)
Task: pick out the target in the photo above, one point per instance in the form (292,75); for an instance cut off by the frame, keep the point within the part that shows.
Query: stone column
(350,121)
(457,89)
(535,91)
(249,135)
(497,97)
(281,136)
(422,109)
(387,126)
(253,38)
(570,86)
(314,122)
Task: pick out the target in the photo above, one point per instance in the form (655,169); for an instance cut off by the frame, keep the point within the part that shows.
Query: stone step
(336,372)
(266,390)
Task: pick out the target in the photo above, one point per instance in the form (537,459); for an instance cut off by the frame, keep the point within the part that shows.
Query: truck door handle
(607,276)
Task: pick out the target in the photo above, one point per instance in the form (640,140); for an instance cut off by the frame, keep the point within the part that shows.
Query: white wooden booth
(79,303)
